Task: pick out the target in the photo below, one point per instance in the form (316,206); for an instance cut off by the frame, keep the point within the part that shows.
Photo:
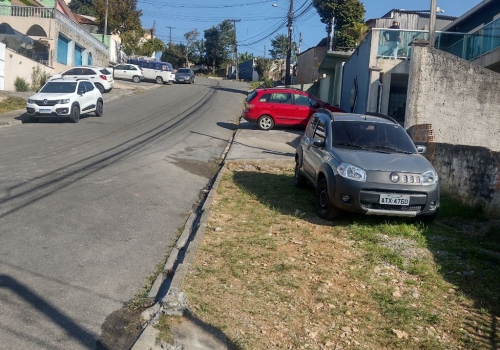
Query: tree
(218,44)
(175,54)
(245,56)
(123,16)
(346,13)
(131,41)
(263,66)
(83,7)
(193,46)
(153,45)
(280,47)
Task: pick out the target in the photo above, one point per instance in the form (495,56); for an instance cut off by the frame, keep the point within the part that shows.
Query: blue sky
(260,20)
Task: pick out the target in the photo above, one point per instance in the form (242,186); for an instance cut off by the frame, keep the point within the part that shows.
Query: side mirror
(421,149)
(317,143)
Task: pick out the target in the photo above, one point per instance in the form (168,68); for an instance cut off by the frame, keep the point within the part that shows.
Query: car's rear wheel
(159,80)
(266,122)
(75,114)
(100,88)
(99,108)
(299,180)
(136,79)
(324,207)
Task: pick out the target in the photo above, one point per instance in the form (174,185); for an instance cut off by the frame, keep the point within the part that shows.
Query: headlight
(351,172)
(63,102)
(31,101)
(429,178)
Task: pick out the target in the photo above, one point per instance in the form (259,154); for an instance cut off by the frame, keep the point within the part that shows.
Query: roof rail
(380,115)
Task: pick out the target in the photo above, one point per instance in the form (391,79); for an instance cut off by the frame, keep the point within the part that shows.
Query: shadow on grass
(463,241)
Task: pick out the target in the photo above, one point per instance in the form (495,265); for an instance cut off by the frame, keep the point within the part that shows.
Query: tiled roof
(83,20)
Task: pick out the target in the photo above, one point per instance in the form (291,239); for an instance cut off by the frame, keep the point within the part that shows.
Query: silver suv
(366,164)
(65,98)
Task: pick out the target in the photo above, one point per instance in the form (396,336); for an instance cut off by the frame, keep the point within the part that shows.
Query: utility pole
(235,49)
(153,31)
(300,41)
(170,40)
(105,21)
(432,25)
(289,49)
(331,34)
(264,51)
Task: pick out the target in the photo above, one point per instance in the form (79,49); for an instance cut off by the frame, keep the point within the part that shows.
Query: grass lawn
(11,104)
(271,275)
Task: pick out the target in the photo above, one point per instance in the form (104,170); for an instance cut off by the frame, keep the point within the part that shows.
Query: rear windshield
(380,136)
(105,71)
(251,96)
(59,87)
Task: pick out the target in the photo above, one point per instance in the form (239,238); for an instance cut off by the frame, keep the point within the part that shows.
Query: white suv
(65,98)
(100,76)
(128,71)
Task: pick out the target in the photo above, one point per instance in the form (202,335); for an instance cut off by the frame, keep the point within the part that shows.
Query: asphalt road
(88,210)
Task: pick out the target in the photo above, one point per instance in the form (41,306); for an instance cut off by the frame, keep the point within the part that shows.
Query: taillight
(103,77)
(249,106)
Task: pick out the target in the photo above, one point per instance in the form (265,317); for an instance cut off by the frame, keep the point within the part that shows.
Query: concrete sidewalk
(121,89)
(249,146)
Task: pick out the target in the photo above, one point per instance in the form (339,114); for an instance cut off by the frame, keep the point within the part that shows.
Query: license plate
(45,110)
(393,199)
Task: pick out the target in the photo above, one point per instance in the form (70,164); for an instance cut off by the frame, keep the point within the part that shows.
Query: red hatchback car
(282,106)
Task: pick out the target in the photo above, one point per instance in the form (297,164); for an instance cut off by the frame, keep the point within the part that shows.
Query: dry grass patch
(271,275)
(10,103)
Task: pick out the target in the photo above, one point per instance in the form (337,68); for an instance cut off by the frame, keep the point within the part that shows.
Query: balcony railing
(26,11)
(25,46)
(446,41)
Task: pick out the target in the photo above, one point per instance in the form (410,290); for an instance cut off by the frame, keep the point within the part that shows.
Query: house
(442,94)
(44,34)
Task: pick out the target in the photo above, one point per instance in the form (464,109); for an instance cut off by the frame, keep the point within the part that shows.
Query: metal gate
(78,55)
(62,49)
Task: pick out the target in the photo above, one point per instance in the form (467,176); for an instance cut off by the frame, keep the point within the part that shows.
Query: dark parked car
(184,75)
(282,106)
(366,164)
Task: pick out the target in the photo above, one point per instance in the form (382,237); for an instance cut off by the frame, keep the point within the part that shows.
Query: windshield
(59,87)
(373,136)
(182,70)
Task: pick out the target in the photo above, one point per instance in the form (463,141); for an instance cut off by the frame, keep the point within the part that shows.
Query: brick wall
(421,133)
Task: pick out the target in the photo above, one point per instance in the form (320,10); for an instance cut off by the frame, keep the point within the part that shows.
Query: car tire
(100,88)
(136,79)
(265,122)
(75,114)
(159,80)
(99,108)
(428,219)
(33,119)
(324,207)
(299,180)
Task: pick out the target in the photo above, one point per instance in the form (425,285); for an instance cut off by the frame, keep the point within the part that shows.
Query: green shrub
(21,84)
(38,77)
(268,83)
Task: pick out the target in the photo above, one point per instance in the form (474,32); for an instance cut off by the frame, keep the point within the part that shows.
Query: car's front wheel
(324,207)
(299,180)
(266,122)
(159,80)
(75,114)
(136,79)
(99,108)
